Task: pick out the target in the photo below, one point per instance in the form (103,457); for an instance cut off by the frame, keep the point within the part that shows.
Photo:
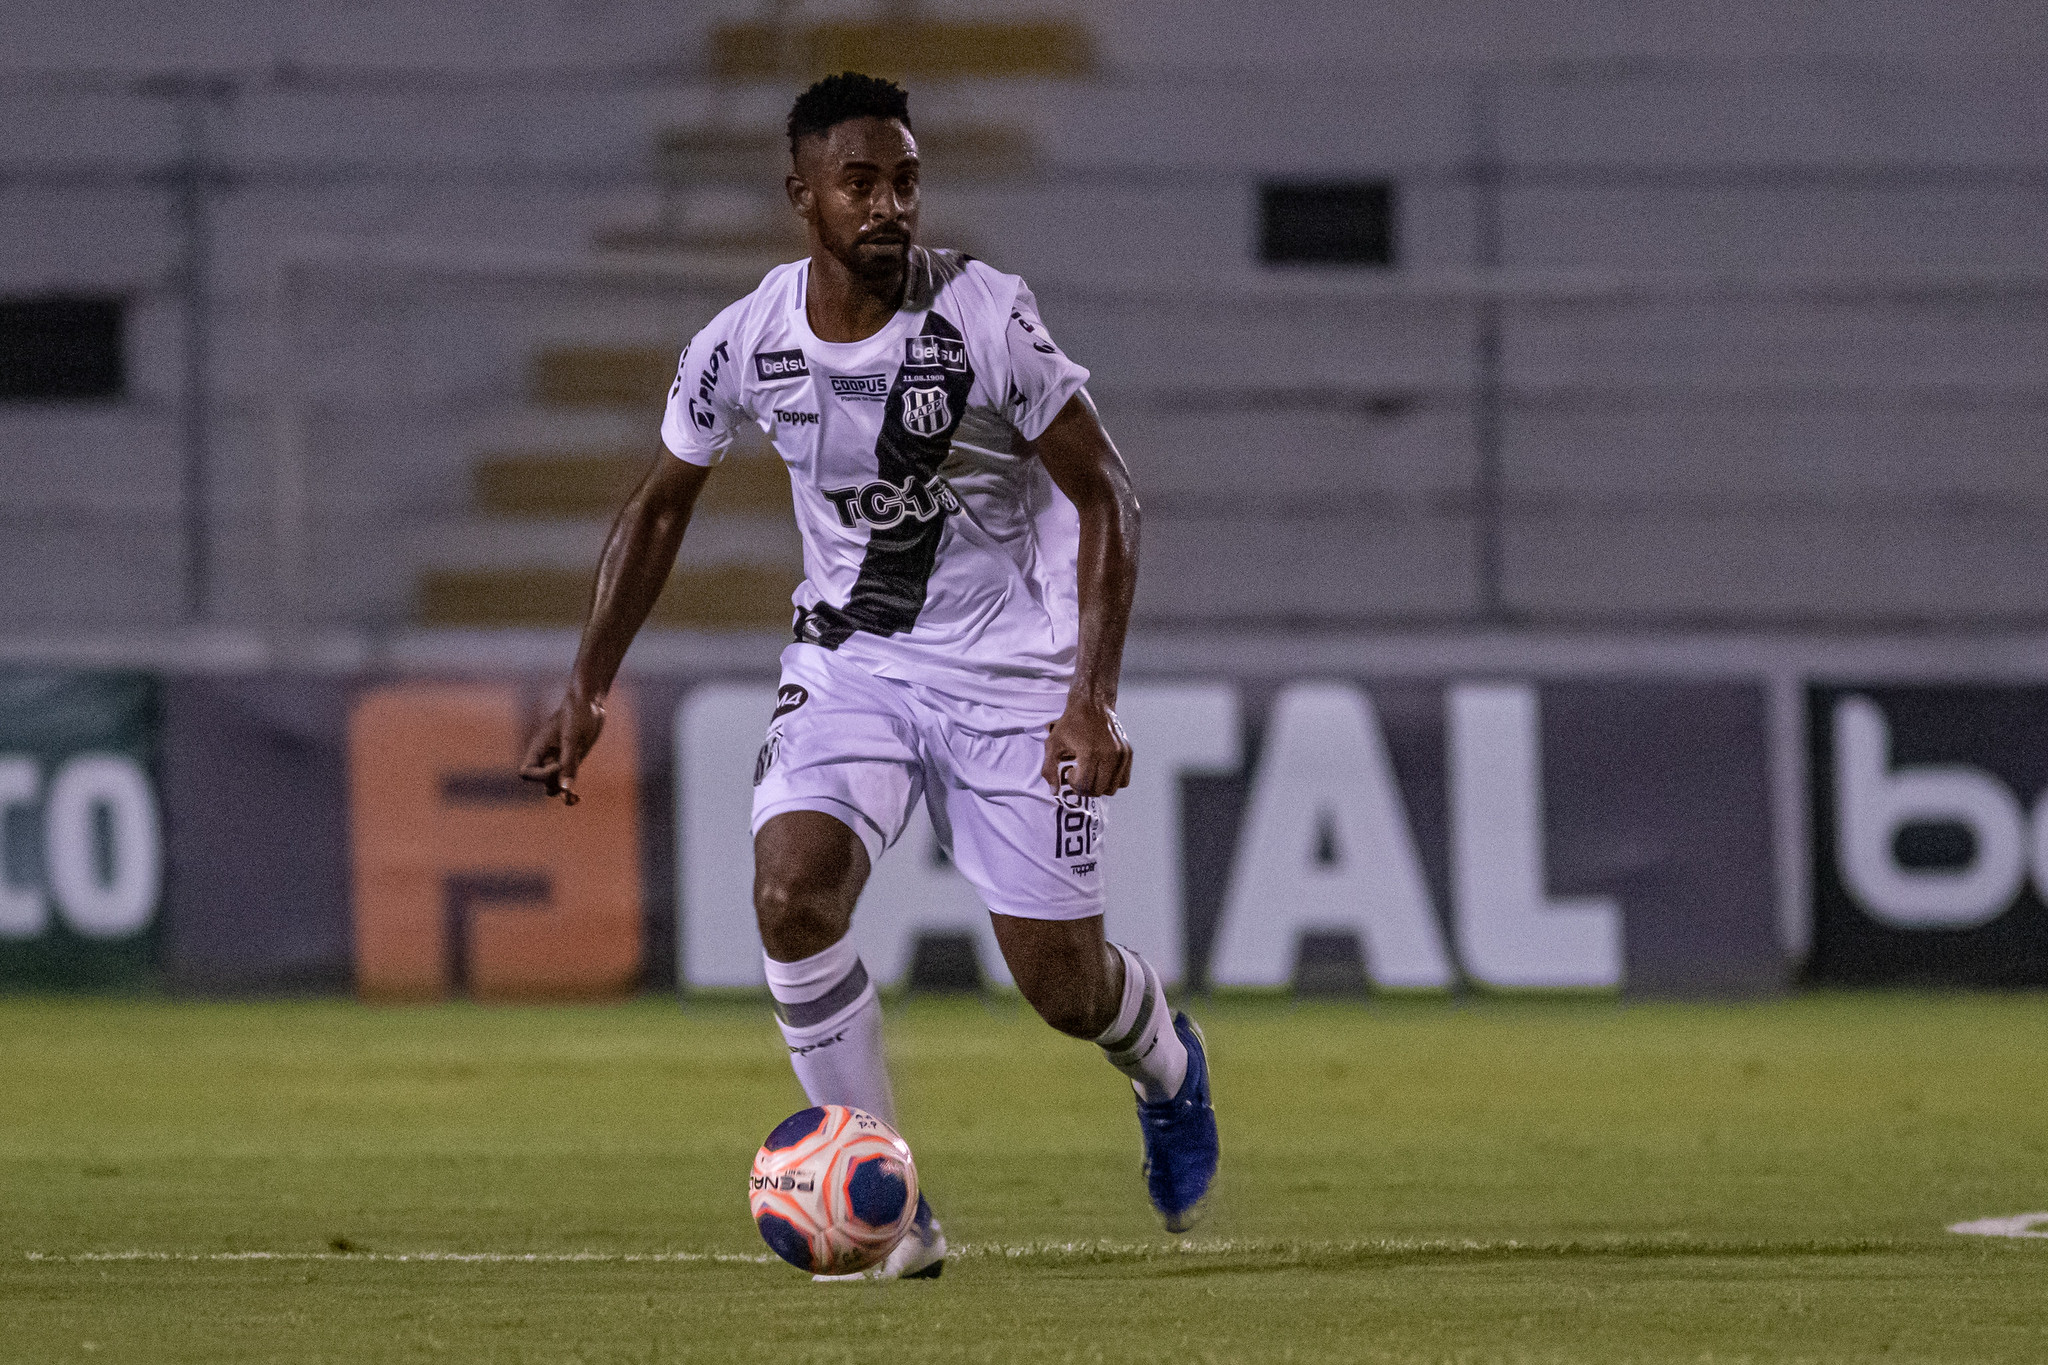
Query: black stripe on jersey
(896,571)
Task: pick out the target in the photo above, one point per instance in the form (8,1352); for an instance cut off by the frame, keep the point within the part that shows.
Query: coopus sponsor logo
(861,388)
(770,366)
(925,411)
(882,504)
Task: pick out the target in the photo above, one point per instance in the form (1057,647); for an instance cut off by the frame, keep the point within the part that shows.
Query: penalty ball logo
(925,411)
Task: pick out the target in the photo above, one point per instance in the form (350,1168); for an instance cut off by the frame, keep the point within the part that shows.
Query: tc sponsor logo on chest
(770,366)
(882,504)
(861,388)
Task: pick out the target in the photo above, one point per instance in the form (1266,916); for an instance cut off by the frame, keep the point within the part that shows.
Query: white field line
(457,1257)
(1051,1251)
(2018,1225)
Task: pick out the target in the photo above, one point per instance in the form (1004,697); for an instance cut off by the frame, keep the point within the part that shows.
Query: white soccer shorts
(865,749)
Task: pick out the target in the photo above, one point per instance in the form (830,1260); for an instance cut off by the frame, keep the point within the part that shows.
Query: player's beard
(879,264)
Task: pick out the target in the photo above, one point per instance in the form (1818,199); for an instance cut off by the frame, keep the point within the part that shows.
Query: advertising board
(1930,834)
(81,829)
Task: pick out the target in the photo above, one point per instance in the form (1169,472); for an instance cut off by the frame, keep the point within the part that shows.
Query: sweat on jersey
(936,548)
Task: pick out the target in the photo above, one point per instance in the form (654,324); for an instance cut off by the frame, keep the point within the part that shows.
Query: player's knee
(796,919)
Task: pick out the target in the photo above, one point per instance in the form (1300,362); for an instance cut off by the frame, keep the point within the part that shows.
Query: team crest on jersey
(925,411)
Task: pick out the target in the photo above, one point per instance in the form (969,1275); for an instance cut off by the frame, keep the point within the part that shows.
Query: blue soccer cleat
(1180,1138)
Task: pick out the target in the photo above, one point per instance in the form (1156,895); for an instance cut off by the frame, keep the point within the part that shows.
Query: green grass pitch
(1539,1181)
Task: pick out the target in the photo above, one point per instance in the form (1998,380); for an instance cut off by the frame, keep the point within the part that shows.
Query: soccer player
(970,550)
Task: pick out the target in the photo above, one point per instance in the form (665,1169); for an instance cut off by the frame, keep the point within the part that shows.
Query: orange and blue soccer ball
(833,1190)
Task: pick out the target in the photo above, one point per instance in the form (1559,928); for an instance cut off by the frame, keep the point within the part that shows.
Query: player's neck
(843,306)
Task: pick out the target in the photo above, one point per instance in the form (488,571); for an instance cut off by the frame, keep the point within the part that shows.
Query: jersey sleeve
(1042,379)
(704,406)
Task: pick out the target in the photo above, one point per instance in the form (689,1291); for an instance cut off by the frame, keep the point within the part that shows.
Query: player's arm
(638,556)
(1084,464)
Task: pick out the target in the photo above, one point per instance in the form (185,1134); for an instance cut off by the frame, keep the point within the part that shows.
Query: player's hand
(1089,745)
(561,744)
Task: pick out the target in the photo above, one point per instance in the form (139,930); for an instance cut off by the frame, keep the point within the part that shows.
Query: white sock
(1142,1043)
(832,1020)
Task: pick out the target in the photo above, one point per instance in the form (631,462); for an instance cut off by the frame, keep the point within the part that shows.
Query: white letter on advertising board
(124,901)
(1178,731)
(1873,802)
(718,734)
(1327,846)
(1511,932)
(23,911)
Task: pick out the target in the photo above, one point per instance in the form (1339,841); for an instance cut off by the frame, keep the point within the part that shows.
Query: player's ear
(800,197)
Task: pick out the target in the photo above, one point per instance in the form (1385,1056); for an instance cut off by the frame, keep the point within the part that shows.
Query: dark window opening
(62,349)
(1347,223)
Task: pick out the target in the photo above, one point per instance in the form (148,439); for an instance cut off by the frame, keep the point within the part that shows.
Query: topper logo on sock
(806,1049)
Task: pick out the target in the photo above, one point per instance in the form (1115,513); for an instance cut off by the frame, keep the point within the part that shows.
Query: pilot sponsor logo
(882,504)
(862,388)
(770,366)
(796,419)
(925,411)
(706,383)
(947,353)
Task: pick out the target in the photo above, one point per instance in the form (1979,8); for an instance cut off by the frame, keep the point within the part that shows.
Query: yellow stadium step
(595,484)
(715,597)
(759,156)
(903,49)
(602,376)
(758,246)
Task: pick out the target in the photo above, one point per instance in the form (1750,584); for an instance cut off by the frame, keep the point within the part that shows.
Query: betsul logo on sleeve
(1930,818)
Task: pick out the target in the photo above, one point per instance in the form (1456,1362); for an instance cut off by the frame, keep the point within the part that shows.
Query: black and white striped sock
(1141,1042)
(831,1019)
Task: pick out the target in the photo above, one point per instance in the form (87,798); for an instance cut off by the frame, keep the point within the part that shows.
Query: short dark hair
(836,99)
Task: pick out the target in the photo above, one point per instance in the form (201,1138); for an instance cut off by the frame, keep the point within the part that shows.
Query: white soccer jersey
(935,549)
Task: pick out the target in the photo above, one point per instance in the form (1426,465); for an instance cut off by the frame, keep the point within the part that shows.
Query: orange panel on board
(466,879)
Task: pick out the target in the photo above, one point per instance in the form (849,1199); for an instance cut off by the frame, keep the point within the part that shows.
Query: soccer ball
(833,1190)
